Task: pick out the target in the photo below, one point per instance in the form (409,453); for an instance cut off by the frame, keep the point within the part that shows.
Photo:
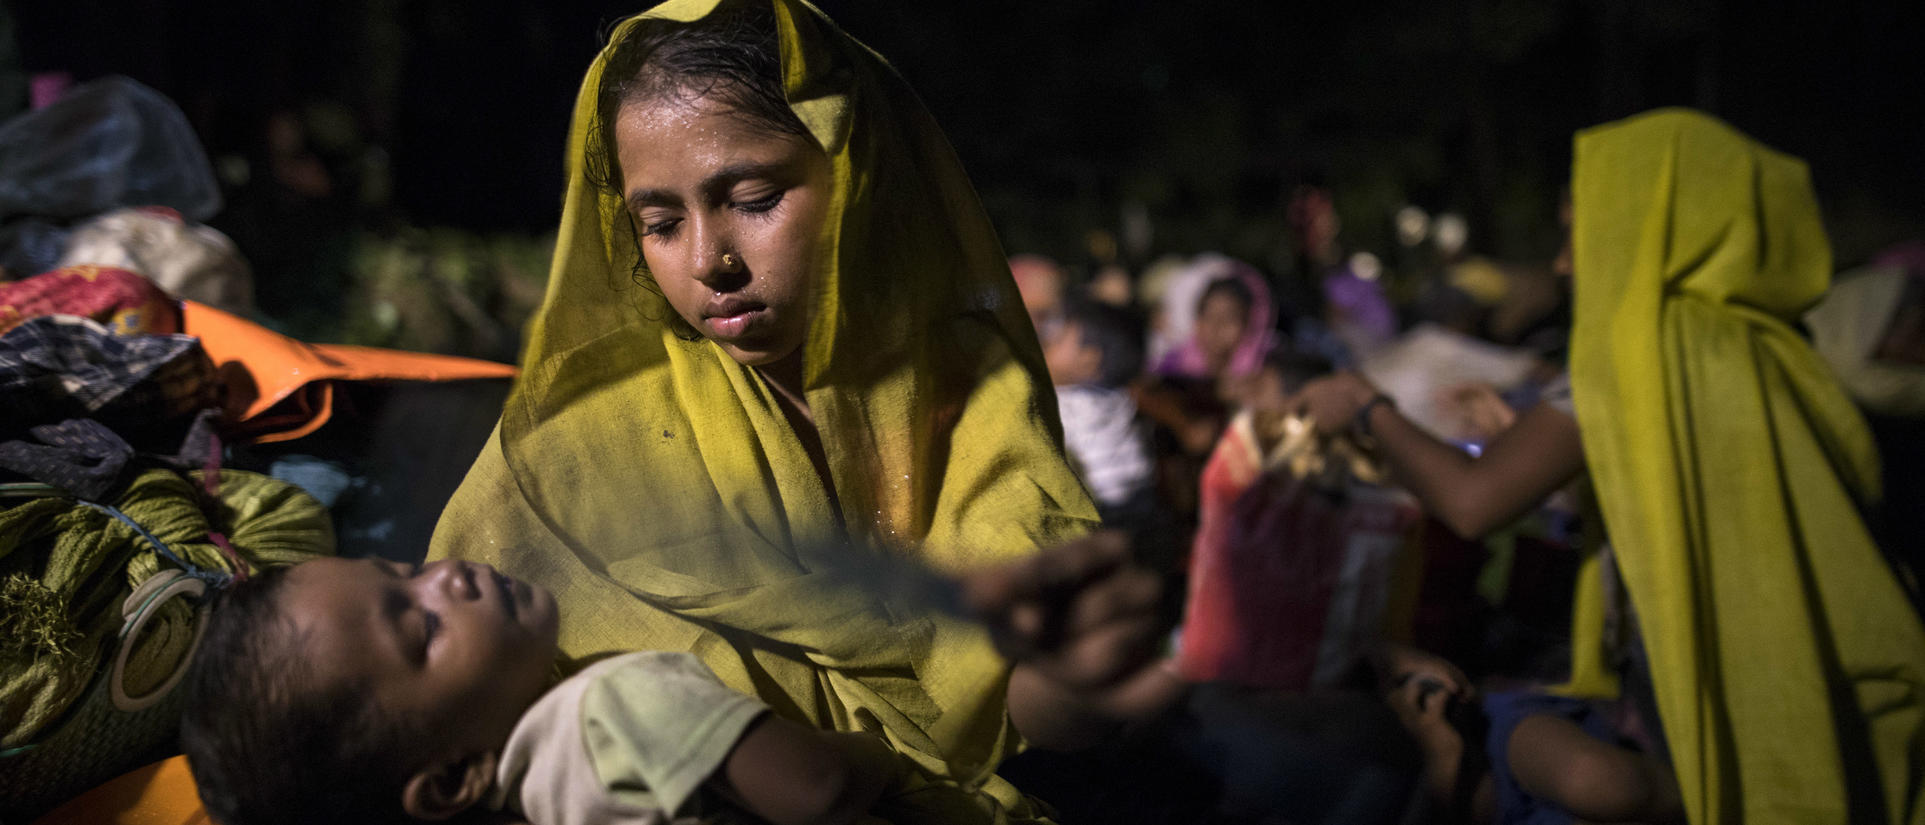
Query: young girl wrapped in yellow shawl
(778,324)
(1787,667)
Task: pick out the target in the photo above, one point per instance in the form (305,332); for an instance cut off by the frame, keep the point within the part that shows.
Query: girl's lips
(734,325)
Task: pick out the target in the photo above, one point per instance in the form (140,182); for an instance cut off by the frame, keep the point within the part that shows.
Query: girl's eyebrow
(735,173)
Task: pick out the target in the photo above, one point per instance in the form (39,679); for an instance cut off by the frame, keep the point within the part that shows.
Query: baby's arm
(792,774)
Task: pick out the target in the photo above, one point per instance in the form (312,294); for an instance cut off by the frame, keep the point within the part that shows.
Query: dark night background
(1202,117)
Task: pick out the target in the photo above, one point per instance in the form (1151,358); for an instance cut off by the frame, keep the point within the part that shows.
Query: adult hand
(1332,401)
(1081,614)
(1482,411)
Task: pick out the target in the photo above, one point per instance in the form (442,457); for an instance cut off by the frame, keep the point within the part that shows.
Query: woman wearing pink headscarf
(1217,315)
(1231,331)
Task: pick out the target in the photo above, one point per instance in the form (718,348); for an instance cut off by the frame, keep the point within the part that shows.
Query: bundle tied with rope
(100,607)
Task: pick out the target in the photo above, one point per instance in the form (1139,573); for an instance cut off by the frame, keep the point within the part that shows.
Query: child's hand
(1420,696)
(1421,700)
(1401,665)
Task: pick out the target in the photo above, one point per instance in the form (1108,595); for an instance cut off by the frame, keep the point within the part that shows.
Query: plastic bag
(109,143)
(193,262)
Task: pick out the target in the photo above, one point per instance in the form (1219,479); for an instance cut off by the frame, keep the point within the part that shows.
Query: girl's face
(728,215)
(1220,322)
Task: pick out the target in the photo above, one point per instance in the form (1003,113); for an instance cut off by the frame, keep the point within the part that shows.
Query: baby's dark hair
(732,55)
(268,745)
(1116,333)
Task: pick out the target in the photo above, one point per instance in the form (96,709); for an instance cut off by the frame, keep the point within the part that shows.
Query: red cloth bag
(1294,574)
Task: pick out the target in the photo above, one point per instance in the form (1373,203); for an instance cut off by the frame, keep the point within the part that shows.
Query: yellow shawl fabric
(654,485)
(1789,667)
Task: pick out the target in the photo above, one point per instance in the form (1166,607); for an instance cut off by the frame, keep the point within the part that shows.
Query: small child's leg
(1554,759)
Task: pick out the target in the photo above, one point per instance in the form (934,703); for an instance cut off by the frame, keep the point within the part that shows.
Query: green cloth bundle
(65,568)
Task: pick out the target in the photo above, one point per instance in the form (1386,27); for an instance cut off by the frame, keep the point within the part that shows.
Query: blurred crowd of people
(1380,462)
(1152,367)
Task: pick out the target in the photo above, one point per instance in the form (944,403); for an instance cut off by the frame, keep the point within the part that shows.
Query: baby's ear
(446,788)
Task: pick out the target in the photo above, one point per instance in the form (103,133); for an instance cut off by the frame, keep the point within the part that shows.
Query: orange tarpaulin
(279,388)
(160,794)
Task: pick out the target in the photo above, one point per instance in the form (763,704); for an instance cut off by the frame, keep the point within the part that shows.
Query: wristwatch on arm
(1361,423)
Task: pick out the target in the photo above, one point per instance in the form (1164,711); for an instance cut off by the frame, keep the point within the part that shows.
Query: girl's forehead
(674,132)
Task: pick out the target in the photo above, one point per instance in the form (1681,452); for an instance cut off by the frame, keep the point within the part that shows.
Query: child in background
(1521,757)
(1040,281)
(1092,356)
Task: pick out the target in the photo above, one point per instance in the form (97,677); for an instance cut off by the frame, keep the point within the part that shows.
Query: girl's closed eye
(660,228)
(759,205)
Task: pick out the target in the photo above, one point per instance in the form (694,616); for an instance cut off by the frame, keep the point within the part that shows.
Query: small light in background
(1366,266)
(1413,225)
(1449,232)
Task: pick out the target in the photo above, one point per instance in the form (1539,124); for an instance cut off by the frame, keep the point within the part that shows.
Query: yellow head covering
(1789,667)
(653,483)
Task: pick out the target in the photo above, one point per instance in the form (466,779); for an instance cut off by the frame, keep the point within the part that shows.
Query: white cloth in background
(1429,359)
(1847,328)
(188,261)
(1105,446)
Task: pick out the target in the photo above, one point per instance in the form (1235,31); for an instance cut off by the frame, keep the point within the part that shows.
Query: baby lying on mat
(369,691)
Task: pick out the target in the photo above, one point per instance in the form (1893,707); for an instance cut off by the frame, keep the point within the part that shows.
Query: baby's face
(456,645)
